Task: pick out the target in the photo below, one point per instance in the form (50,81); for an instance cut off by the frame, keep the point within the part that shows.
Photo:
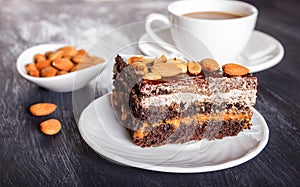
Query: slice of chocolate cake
(162,101)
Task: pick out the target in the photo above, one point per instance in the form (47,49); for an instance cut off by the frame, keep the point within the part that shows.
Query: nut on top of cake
(161,100)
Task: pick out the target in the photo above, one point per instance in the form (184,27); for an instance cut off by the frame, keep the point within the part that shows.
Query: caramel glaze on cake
(183,107)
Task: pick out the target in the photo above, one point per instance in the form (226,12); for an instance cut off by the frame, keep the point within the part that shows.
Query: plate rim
(174,169)
(253,69)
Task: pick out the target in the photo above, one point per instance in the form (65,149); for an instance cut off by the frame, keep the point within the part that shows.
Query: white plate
(262,51)
(103,133)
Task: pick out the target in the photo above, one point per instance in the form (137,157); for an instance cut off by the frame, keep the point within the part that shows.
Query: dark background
(29,158)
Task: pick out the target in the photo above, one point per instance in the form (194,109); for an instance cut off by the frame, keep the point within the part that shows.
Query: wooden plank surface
(29,158)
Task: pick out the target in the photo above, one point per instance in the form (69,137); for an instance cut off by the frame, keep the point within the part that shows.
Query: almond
(50,126)
(67,57)
(55,55)
(235,69)
(135,59)
(30,67)
(42,64)
(48,71)
(39,57)
(61,72)
(183,67)
(68,51)
(161,59)
(74,68)
(34,73)
(194,68)
(47,54)
(62,64)
(152,76)
(82,52)
(32,70)
(42,109)
(166,70)
(209,64)
(77,58)
(140,66)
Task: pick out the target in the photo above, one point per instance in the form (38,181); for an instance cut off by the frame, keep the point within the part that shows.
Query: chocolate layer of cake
(181,107)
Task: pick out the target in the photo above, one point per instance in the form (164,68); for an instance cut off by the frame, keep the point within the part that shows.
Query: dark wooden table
(29,158)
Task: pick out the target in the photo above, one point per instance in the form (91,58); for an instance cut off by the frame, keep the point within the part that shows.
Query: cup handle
(169,48)
(155,17)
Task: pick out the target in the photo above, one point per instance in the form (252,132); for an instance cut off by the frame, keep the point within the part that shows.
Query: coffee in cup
(212,15)
(224,27)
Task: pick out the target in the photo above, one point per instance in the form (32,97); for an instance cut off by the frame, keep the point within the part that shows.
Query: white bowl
(62,83)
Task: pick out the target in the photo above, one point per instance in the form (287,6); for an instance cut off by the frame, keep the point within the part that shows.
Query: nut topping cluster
(155,69)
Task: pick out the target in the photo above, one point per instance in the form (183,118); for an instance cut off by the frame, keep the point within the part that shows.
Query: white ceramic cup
(225,38)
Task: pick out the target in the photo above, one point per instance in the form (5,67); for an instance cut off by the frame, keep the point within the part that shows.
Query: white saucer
(103,133)
(261,53)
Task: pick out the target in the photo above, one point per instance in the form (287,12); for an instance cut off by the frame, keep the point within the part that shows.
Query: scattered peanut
(161,59)
(183,67)
(140,66)
(152,76)
(194,68)
(135,59)
(166,70)
(209,64)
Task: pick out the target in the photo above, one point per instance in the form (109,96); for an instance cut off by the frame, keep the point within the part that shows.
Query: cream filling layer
(248,97)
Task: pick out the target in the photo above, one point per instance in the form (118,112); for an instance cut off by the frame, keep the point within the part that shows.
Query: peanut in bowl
(58,79)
